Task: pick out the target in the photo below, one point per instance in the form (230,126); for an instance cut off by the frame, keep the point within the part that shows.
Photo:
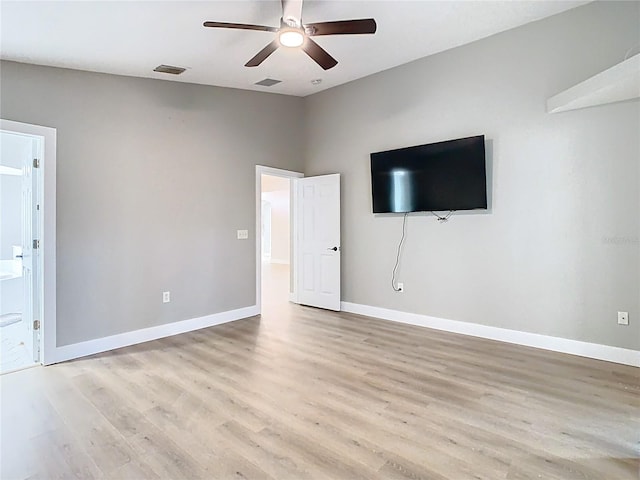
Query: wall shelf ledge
(618,83)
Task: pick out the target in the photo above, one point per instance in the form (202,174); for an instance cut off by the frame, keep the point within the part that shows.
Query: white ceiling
(132,38)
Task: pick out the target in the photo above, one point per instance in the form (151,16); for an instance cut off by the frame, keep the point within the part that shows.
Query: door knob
(335,249)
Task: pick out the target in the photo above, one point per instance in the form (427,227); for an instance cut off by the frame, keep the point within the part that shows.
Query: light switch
(243,234)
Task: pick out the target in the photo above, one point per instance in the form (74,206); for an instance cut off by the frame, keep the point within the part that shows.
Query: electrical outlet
(243,234)
(623,318)
(166,297)
(400,287)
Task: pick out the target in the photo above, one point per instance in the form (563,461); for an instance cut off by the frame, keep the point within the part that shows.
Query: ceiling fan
(293,33)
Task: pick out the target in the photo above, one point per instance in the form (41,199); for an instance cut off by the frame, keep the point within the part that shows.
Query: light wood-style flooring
(308,394)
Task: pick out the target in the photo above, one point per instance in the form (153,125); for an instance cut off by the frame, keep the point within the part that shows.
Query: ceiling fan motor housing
(293,34)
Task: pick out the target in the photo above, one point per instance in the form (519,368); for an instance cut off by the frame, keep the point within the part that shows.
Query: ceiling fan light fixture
(291,38)
(292,33)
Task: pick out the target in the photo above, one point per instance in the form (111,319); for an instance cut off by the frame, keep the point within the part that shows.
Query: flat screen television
(438,176)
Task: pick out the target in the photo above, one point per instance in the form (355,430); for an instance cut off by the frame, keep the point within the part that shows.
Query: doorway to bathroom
(20,246)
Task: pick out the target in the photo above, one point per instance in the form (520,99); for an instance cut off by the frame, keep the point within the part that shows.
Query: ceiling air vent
(268,82)
(169,69)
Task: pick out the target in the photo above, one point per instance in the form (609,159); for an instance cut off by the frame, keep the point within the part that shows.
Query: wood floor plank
(300,393)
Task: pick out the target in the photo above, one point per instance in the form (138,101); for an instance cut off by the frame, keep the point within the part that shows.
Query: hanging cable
(393,274)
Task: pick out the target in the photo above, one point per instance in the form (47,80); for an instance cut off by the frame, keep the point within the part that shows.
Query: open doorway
(20,265)
(313,270)
(276,240)
(274,246)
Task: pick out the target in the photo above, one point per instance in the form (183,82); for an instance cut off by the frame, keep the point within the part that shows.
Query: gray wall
(154,179)
(558,251)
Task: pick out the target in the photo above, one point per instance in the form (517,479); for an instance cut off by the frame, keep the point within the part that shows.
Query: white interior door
(318,241)
(29,253)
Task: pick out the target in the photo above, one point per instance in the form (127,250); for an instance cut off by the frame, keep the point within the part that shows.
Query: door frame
(291,175)
(47,255)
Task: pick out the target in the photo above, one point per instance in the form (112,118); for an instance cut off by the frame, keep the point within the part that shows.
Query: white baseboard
(280,261)
(98,345)
(574,347)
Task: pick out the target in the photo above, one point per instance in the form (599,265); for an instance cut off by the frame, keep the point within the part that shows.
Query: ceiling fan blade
(241,26)
(319,54)
(292,12)
(262,55)
(342,27)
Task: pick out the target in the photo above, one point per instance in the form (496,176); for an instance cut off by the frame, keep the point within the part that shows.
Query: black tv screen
(439,176)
